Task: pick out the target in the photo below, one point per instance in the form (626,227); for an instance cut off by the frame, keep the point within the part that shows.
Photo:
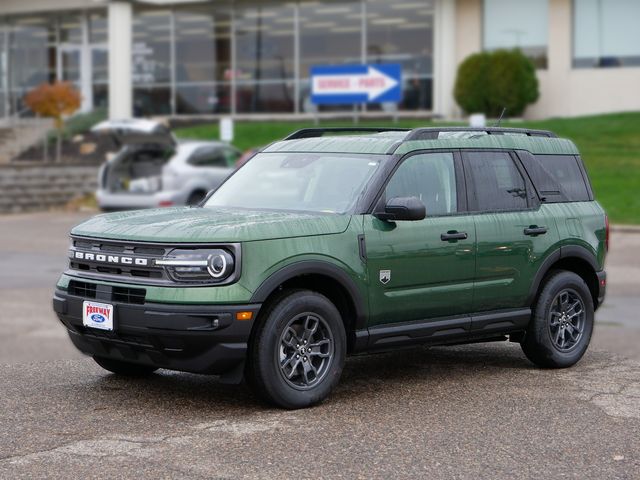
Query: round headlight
(198,265)
(217,265)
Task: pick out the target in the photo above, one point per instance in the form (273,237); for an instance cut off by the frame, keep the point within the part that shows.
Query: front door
(423,269)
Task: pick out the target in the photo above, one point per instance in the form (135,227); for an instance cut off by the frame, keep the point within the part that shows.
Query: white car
(153,169)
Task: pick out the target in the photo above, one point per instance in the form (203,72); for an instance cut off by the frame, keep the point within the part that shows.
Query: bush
(82,123)
(487,82)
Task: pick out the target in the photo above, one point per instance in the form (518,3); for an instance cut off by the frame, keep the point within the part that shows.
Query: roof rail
(432,133)
(320,131)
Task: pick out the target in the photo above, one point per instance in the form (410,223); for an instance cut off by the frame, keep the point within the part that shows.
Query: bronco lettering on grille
(115,259)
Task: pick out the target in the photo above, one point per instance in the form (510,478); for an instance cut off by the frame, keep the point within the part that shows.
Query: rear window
(558,178)
(496,182)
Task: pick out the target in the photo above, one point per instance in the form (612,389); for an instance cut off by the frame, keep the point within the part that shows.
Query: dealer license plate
(97,315)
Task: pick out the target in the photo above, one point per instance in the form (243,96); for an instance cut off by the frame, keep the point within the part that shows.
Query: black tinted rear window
(496,182)
(558,178)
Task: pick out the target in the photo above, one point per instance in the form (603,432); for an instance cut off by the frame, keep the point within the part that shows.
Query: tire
(553,340)
(196,197)
(278,370)
(125,369)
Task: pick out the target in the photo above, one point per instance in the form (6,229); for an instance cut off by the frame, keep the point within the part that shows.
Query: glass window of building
(98,39)
(152,64)
(203,60)
(519,24)
(224,56)
(606,33)
(70,48)
(98,27)
(32,56)
(402,32)
(265,57)
(4,80)
(71,29)
(330,34)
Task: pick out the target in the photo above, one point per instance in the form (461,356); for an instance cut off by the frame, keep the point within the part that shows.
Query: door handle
(453,235)
(534,230)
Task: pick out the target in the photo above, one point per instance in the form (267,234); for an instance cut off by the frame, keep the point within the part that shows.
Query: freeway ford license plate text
(97,315)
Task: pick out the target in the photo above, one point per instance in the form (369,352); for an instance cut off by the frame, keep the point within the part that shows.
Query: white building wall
(567,91)
(9,7)
(120,68)
(564,91)
(444,58)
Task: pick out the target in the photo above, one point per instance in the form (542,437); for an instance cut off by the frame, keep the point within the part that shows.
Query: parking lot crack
(611,386)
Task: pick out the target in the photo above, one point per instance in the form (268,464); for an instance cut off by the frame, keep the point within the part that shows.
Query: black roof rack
(320,131)
(432,133)
(422,133)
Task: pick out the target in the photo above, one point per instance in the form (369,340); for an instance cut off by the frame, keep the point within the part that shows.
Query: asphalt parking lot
(478,411)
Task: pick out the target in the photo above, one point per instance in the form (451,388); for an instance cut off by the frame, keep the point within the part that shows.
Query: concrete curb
(625,228)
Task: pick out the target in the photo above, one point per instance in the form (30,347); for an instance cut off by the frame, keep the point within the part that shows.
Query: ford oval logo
(96,317)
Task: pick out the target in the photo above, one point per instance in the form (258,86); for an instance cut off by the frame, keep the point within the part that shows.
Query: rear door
(514,235)
(420,270)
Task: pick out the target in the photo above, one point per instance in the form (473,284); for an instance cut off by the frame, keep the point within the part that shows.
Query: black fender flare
(318,267)
(582,253)
(570,251)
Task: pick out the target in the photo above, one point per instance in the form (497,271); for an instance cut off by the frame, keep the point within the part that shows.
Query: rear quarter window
(558,178)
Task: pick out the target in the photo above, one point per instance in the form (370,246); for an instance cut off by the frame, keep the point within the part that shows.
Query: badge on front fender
(385,276)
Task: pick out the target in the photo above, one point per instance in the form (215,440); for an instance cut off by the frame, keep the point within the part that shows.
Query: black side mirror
(403,209)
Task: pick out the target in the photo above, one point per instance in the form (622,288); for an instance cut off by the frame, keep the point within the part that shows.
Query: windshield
(328,183)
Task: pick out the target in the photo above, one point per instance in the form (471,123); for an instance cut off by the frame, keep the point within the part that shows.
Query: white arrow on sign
(374,83)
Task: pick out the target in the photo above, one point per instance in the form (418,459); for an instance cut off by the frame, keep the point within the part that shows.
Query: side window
(208,157)
(496,182)
(564,169)
(431,177)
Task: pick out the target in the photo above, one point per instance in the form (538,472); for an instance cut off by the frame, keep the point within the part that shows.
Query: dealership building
(253,58)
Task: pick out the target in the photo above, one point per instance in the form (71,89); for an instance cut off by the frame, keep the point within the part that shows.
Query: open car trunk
(147,146)
(136,170)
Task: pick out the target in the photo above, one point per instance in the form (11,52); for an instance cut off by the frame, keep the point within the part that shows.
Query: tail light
(606,234)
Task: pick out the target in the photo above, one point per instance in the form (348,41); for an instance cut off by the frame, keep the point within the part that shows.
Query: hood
(209,225)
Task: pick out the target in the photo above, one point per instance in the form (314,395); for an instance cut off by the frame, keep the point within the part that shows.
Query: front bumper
(200,339)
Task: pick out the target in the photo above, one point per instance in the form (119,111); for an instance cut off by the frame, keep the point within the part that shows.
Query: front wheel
(124,368)
(298,351)
(560,330)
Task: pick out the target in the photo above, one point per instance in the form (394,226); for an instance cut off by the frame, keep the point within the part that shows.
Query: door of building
(74,65)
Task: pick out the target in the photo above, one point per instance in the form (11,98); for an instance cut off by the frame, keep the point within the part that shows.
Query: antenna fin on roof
(504,110)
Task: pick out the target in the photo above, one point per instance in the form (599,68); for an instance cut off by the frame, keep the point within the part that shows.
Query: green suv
(341,241)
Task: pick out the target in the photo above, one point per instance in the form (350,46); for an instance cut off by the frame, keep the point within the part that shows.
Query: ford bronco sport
(334,242)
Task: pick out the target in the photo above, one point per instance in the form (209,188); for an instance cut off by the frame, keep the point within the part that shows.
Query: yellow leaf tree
(57,101)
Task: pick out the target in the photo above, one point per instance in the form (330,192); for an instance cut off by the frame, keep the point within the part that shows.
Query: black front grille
(128,295)
(82,289)
(107,293)
(110,270)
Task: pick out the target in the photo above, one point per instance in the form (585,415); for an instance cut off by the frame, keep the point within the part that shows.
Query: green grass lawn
(610,146)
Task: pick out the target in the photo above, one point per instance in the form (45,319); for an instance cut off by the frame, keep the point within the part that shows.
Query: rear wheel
(124,368)
(298,350)
(562,323)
